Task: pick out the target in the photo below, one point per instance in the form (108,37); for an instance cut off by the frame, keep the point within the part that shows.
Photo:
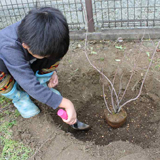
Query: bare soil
(53,140)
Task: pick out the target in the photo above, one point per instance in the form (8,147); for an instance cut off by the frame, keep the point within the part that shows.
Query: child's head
(44,32)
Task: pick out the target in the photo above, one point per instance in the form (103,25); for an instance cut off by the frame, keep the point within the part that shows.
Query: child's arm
(69,107)
(53,81)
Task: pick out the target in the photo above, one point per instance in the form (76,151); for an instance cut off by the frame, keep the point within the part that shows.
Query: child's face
(34,55)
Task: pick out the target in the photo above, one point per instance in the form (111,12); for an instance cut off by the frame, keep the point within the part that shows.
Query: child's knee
(6,82)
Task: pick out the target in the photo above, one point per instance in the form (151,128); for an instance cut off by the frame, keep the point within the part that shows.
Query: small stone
(79,46)
(120,39)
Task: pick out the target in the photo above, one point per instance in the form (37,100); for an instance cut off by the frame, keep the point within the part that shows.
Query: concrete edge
(113,34)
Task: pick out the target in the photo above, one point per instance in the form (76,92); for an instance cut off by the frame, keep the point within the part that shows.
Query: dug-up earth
(137,139)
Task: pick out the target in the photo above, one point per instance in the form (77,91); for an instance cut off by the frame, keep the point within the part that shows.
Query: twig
(104,96)
(117,98)
(127,85)
(105,99)
(133,88)
(131,72)
(157,79)
(112,101)
(104,93)
(151,39)
(133,99)
(86,38)
(120,85)
(32,157)
(63,149)
(116,74)
(111,90)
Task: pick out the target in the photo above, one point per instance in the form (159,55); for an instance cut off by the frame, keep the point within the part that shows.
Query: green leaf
(119,47)
(76,70)
(157,66)
(93,52)
(148,54)
(102,59)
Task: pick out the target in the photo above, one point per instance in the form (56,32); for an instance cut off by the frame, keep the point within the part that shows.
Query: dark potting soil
(138,129)
(82,86)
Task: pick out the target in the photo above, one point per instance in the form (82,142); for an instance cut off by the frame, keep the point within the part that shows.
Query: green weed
(4,100)
(120,47)
(70,61)
(12,150)
(7,112)
(157,66)
(101,59)
(148,54)
(74,72)
(16,113)
(4,127)
(93,52)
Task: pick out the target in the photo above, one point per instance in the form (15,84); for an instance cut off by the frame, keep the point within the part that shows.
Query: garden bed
(79,82)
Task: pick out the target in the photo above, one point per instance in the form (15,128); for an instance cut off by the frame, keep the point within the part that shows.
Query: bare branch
(132,73)
(86,38)
(127,85)
(133,88)
(120,86)
(105,99)
(111,90)
(112,84)
(112,101)
(151,39)
(133,99)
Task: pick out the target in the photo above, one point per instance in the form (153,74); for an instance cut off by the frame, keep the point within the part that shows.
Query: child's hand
(53,81)
(69,107)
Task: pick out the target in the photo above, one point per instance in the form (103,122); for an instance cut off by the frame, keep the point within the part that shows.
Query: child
(30,51)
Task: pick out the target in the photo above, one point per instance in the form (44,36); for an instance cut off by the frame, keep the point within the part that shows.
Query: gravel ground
(14,10)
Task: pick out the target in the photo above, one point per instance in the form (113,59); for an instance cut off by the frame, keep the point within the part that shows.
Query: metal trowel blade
(80,126)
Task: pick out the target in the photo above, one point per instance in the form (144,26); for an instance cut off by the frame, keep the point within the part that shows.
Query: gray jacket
(16,59)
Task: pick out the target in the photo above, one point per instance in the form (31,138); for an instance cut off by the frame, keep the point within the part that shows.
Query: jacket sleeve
(20,69)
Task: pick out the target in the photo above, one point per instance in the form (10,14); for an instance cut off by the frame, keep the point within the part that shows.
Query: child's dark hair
(46,32)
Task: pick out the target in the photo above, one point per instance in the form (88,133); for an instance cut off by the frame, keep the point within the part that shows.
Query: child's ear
(25,46)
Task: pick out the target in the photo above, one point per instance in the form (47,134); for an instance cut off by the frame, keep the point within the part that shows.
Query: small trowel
(77,126)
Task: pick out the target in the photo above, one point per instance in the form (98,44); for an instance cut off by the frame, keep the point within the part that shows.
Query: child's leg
(10,89)
(45,70)
(6,82)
